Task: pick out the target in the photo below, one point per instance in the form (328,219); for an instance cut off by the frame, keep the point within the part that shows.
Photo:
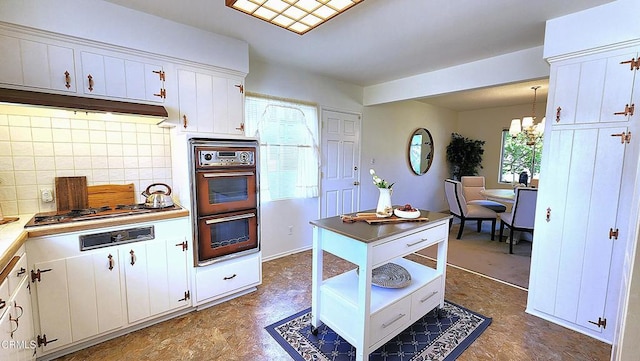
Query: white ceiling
(381,40)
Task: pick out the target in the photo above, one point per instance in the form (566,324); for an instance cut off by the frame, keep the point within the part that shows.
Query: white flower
(378,182)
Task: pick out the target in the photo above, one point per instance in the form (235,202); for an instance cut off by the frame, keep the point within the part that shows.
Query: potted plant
(464,156)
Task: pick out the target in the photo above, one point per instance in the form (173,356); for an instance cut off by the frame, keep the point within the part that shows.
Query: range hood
(72,102)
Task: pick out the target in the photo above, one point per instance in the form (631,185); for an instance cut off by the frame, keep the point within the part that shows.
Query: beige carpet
(478,253)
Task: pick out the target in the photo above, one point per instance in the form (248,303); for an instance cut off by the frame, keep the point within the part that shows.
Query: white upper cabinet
(119,77)
(211,102)
(37,64)
(595,90)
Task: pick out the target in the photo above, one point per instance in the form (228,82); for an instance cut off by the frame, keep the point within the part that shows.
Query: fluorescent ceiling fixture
(298,16)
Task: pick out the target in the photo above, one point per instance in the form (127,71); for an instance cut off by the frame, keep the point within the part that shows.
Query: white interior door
(340,179)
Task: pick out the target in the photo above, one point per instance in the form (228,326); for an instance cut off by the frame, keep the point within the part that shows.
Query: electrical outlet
(46,195)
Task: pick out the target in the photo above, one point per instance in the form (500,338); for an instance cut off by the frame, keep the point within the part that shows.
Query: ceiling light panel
(298,16)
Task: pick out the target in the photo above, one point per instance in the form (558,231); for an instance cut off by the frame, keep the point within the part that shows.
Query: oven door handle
(228,174)
(230,218)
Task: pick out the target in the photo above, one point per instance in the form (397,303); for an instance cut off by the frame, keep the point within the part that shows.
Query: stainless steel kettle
(159,198)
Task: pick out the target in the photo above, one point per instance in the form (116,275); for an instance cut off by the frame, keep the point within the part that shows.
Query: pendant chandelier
(532,130)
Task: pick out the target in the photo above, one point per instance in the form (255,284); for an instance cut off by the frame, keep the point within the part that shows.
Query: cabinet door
(47,66)
(93,76)
(6,353)
(11,69)
(593,90)
(134,257)
(23,326)
(177,269)
(228,96)
(187,100)
(53,303)
(94,294)
(573,242)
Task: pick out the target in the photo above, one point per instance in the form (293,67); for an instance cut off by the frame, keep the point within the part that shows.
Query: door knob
(356,183)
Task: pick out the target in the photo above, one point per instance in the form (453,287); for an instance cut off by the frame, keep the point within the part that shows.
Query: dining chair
(522,215)
(472,187)
(459,207)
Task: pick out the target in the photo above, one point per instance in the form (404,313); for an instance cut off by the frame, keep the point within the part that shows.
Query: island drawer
(409,244)
(426,299)
(391,320)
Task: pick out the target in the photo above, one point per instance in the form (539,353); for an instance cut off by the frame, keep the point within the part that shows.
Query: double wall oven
(224,198)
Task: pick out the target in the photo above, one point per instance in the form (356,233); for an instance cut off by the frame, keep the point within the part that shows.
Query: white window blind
(289,153)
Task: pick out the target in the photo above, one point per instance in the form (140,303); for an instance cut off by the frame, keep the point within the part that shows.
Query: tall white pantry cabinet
(588,173)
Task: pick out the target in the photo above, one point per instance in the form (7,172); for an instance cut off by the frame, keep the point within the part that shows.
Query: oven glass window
(228,189)
(228,233)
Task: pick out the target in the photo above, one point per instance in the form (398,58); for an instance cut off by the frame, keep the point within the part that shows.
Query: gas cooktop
(78,215)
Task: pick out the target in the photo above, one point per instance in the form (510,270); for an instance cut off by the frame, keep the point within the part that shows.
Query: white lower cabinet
(86,295)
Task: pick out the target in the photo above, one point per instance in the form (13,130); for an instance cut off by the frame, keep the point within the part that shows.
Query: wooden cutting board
(111,195)
(371,218)
(71,193)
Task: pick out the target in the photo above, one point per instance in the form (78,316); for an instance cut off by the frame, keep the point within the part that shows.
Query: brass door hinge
(184,245)
(187,295)
(602,322)
(240,88)
(613,234)
(162,94)
(624,137)
(628,110)
(633,63)
(37,274)
(160,73)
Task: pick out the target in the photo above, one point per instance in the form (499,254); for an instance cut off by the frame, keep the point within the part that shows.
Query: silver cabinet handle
(428,297)
(385,325)
(231,218)
(229,174)
(418,242)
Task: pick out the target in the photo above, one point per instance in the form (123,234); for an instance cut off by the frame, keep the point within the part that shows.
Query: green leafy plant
(379,182)
(464,155)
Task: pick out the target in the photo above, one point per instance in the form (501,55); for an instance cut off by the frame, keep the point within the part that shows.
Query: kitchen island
(366,315)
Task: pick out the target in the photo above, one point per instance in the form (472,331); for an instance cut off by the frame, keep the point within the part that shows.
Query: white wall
(386,131)
(487,124)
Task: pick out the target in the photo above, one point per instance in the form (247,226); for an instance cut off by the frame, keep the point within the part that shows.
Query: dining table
(499,194)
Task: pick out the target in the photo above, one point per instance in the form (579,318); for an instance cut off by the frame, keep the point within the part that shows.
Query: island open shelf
(364,314)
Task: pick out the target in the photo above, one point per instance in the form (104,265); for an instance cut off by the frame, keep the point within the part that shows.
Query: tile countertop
(13,235)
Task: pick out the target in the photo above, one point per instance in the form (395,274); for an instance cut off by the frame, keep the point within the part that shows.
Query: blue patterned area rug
(429,339)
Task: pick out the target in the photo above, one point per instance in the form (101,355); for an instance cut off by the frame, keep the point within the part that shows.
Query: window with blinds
(289,152)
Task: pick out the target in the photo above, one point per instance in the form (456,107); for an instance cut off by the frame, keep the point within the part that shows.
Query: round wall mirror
(420,151)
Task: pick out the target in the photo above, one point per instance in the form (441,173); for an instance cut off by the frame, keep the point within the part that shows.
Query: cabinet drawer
(408,244)
(391,320)
(226,277)
(18,273)
(426,299)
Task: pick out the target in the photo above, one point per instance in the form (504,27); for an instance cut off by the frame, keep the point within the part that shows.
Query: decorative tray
(390,275)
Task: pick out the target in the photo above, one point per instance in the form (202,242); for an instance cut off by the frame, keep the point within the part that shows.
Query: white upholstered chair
(459,207)
(522,215)
(472,187)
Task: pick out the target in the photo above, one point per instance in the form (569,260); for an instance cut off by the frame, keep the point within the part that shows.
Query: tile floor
(235,330)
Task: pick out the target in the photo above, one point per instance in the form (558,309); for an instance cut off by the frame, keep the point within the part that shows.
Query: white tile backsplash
(34,149)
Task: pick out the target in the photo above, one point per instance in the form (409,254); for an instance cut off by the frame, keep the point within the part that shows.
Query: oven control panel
(217,158)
